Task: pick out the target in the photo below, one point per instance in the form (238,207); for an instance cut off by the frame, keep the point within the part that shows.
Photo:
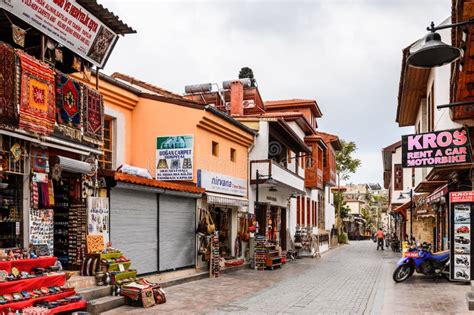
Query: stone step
(80,282)
(104,304)
(95,292)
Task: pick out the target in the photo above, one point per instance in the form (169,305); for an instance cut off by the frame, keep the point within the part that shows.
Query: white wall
(330,211)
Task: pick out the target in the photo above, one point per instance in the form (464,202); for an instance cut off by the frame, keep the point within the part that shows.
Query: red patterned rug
(8,87)
(93,115)
(68,106)
(37,100)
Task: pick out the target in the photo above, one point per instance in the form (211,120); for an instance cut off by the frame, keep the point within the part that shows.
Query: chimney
(236,98)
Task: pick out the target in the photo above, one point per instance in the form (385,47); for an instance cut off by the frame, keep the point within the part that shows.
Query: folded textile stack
(144,292)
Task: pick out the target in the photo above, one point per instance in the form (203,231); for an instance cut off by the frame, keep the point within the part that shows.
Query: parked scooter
(421,259)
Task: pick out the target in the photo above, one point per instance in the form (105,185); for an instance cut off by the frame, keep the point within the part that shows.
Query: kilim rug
(68,106)
(9,87)
(37,99)
(93,116)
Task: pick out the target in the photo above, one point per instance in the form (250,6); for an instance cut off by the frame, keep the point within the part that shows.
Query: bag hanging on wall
(202,226)
(211,228)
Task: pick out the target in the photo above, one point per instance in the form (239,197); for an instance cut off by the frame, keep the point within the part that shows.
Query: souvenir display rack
(214,263)
(70,223)
(260,252)
(272,257)
(10,213)
(34,286)
(116,264)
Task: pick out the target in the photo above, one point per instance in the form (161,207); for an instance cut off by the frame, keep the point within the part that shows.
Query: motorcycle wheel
(402,273)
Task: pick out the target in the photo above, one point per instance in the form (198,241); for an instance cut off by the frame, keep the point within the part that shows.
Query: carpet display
(93,115)
(68,106)
(37,114)
(9,87)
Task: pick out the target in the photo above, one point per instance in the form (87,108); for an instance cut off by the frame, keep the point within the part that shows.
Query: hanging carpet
(37,108)
(9,87)
(93,116)
(68,106)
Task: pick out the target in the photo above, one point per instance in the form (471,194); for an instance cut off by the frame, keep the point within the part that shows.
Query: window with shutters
(398,182)
(106,160)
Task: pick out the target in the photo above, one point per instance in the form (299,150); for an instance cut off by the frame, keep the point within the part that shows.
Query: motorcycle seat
(441,255)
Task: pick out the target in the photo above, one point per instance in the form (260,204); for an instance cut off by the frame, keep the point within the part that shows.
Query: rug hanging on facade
(68,106)
(9,87)
(93,116)
(37,99)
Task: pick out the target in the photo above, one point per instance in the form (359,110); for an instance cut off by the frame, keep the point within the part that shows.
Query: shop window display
(11,211)
(222,218)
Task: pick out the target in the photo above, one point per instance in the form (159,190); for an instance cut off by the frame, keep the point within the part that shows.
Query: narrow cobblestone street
(352,279)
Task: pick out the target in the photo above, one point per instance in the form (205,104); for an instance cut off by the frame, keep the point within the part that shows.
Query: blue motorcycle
(422,260)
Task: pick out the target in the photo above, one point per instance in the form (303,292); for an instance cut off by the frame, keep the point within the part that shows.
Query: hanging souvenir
(58,55)
(39,160)
(16,152)
(49,54)
(76,63)
(87,73)
(19,35)
(56,172)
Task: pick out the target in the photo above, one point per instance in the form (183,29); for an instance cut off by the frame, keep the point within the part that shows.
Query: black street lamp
(435,53)
(411,209)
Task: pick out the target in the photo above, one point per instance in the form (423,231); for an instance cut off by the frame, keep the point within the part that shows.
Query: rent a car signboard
(436,148)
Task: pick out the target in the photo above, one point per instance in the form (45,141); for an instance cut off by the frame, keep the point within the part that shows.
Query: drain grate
(232,308)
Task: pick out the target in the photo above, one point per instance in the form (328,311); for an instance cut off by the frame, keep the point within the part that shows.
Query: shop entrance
(11,211)
(223,219)
(261,214)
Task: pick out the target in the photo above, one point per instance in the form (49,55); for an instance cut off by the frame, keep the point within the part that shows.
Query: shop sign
(437,194)
(445,147)
(461,218)
(68,23)
(174,157)
(221,183)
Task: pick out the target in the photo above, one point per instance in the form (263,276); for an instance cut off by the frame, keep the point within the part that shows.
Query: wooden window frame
(215,148)
(103,162)
(233,154)
(398,177)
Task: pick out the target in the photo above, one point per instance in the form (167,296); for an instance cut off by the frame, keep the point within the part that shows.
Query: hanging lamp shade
(433,53)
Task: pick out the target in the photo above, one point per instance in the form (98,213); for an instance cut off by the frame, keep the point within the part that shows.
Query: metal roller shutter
(177,232)
(134,226)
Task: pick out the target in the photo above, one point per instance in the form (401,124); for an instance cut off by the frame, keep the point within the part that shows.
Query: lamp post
(410,193)
(435,53)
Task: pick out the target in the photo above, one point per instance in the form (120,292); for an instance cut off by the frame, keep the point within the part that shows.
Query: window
(215,148)
(106,160)
(232,154)
(398,177)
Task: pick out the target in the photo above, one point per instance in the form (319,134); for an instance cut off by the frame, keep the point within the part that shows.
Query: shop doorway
(11,218)
(283,233)
(222,217)
(261,214)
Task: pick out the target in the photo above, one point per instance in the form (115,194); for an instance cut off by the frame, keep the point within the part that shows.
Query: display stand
(260,252)
(119,270)
(214,262)
(51,281)
(272,257)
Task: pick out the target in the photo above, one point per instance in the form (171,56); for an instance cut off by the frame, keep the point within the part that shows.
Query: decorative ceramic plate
(44,290)
(17,296)
(3,275)
(15,272)
(8,297)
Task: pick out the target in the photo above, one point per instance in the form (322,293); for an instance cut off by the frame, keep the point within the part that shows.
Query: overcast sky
(344,54)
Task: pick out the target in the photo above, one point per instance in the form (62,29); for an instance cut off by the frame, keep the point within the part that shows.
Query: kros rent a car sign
(436,148)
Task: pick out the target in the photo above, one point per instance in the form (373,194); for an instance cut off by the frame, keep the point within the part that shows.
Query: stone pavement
(352,279)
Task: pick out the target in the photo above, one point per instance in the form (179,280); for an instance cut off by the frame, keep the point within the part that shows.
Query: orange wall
(153,118)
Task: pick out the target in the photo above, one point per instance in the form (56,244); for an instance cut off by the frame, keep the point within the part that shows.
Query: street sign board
(460,228)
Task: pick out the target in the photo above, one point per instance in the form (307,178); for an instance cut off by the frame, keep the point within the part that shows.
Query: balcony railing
(277,174)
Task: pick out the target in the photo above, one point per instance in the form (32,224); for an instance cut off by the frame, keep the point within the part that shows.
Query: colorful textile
(93,116)
(68,106)
(37,110)
(39,160)
(9,88)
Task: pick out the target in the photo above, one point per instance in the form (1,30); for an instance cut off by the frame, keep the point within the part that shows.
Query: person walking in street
(380,237)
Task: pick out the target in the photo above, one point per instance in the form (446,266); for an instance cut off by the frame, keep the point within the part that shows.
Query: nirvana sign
(436,148)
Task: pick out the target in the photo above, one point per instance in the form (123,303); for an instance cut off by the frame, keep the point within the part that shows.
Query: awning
(429,186)
(437,194)
(227,200)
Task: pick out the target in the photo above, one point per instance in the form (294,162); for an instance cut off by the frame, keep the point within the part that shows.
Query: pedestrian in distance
(380,237)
